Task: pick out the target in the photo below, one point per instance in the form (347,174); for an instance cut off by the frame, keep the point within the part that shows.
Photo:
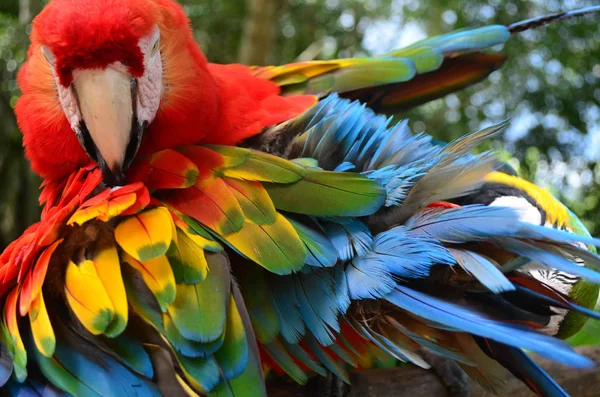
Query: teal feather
(260,304)
(203,370)
(131,352)
(321,252)
(325,359)
(301,355)
(282,358)
(285,301)
(199,311)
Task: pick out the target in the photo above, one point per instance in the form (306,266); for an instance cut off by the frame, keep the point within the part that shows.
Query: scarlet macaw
(203,222)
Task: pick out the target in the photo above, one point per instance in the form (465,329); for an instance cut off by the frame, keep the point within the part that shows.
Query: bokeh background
(550,86)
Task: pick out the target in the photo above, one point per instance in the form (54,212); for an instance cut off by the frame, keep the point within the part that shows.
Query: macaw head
(98,74)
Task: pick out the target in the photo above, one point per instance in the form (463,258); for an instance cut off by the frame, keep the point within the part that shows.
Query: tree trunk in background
(258,35)
(25,11)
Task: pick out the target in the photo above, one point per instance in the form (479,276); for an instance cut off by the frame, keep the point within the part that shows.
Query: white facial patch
(66,96)
(150,85)
(557,280)
(527,212)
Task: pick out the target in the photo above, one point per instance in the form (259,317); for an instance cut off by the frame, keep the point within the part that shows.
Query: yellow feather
(41,328)
(108,268)
(10,331)
(188,390)
(191,255)
(104,211)
(87,297)
(204,242)
(147,235)
(276,247)
(158,276)
(556,213)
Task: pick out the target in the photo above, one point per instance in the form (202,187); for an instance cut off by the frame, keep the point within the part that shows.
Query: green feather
(325,359)
(300,354)
(363,73)
(251,382)
(259,301)
(233,355)
(583,292)
(199,311)
(203,371)
(327,193)
(140,298)
(276,247)
(426,59)
(187,347)
(130,351)
(187,260)
(254,200)
(259,166)
(282,358)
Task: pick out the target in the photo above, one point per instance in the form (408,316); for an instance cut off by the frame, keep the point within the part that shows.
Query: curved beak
(109,131)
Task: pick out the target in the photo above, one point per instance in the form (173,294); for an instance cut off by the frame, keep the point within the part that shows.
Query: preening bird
(205,225)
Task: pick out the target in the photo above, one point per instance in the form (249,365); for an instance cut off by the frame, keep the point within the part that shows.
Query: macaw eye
(155,47)
(48,55)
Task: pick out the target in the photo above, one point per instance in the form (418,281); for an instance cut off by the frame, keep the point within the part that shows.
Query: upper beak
(109,130)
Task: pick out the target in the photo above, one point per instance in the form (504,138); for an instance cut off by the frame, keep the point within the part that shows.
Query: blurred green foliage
(549,86)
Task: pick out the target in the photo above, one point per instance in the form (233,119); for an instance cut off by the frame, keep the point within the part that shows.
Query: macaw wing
(136,285)
(400,79)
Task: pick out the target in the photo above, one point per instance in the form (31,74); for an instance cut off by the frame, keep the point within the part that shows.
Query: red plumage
(201,102)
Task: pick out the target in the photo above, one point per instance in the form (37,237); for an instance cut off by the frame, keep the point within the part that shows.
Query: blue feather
(321,252)
(388,346)
(319,307)
(467,40)
(461,318)
(537,232)
(523,367)
(350,238)
(431,344)
(347,130)
(369,278)
(465,224)
(344,167)
(6,364)
(300,354)
(548,258)
(203,370)
(559,303)
(483,270)
(282,358)
(130,350)
(285,300)
(342,290)
(98,376)
(396,252)
(407,254)
(33,388)
(326,360)
(397,180)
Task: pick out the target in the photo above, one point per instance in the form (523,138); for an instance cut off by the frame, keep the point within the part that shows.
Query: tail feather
(544,20)
(523,367)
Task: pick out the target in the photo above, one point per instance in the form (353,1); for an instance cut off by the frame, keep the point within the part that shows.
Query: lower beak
(110,132)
